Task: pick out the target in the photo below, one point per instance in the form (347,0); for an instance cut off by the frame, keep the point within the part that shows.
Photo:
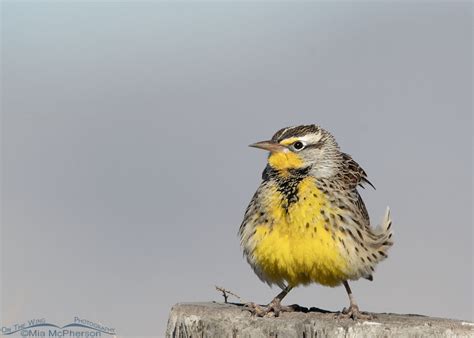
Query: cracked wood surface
(230,320)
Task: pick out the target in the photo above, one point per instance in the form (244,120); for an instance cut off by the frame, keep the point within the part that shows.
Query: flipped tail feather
(384,234)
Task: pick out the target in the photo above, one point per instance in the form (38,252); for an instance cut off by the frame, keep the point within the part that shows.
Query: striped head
(303,147)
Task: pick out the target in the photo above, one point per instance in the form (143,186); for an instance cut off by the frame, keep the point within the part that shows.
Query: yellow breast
(297,245)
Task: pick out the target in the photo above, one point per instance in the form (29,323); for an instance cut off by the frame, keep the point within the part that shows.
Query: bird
(307,222)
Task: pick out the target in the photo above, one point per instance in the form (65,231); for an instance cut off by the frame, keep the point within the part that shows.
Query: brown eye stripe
(315,145)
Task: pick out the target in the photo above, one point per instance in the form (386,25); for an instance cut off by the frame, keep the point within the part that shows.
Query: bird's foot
(354,313)
(271,310)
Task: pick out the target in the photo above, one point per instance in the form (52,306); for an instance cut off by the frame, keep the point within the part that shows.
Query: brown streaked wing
(352,173)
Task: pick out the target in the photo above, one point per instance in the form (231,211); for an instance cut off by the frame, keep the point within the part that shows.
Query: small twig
(226,293)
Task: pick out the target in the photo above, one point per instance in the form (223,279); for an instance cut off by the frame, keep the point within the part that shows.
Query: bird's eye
(298,145)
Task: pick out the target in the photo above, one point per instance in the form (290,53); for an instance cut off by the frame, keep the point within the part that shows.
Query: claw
(271,310)
(354,313)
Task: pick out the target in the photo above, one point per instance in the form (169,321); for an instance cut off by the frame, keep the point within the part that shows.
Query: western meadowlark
(307,223)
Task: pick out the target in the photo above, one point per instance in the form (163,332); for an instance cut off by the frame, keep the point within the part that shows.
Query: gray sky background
(125,166)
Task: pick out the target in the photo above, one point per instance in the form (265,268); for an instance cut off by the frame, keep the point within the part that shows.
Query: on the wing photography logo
(79,327)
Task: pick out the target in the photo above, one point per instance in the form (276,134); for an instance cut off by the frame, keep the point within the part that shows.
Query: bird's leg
(353,310)
(274,307)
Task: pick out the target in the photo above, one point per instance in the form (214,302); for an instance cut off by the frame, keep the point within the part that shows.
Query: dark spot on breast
(307,225)
(288,186)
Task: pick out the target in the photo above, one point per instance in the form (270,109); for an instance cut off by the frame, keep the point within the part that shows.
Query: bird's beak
(268,145)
